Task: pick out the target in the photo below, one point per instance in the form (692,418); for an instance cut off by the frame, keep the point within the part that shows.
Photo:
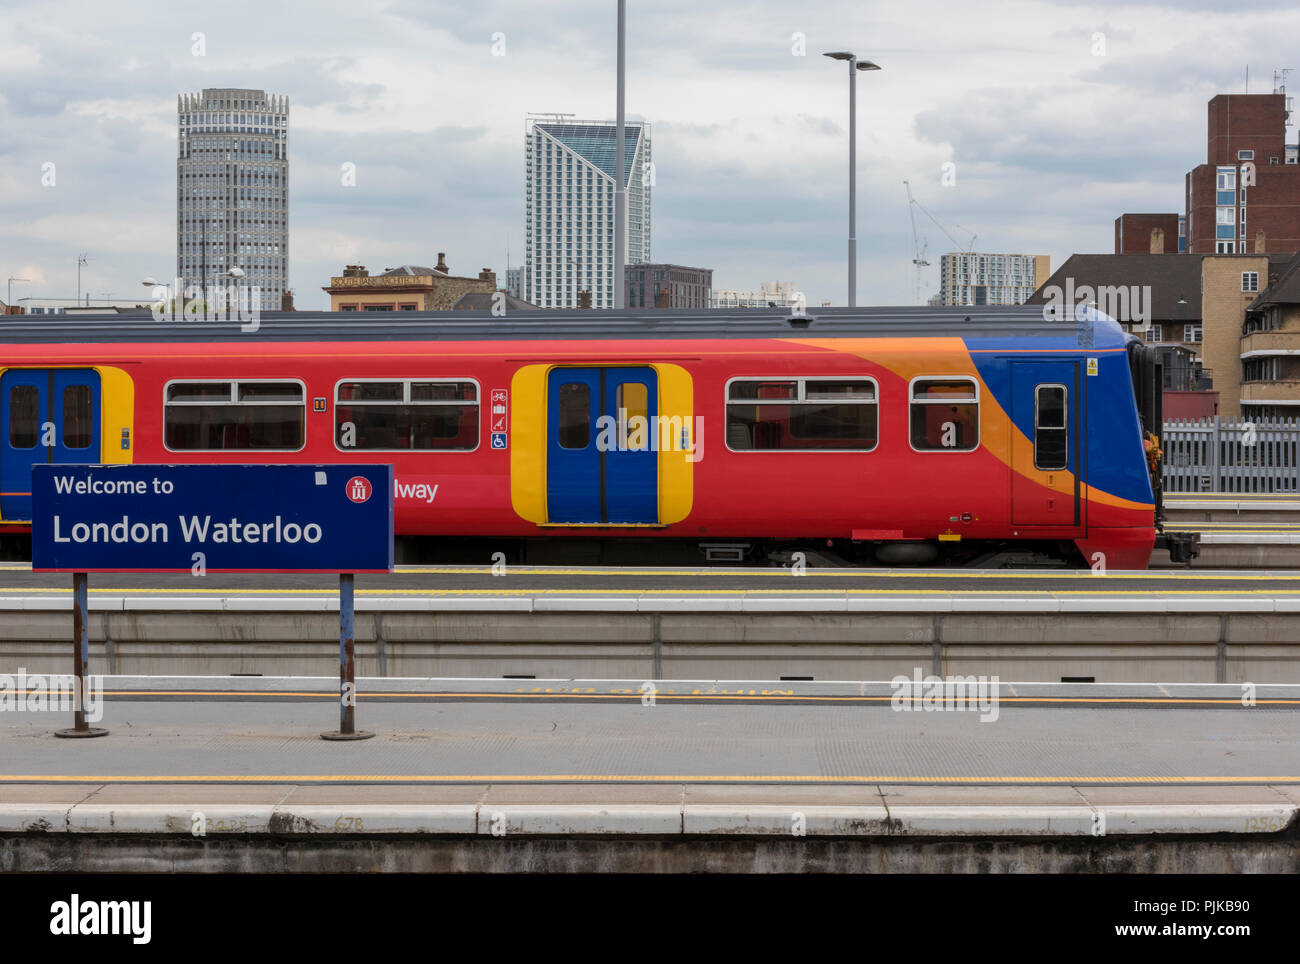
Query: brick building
(667,286)
(1270,347)
(1250,182)
(1245,142)
(408,288)
(1134,234)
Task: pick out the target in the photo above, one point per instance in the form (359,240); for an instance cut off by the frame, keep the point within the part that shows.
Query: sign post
(80,661)
(347,667)
(214,518)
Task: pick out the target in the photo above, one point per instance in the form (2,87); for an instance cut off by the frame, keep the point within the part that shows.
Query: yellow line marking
(432,593)
(621,778)
(693,695)
(1177,575)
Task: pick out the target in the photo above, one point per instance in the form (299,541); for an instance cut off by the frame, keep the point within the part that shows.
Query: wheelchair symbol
(498,440)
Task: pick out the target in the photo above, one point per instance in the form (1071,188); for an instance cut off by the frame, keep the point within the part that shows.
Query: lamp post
(9,296)
(620,187)
(81,260)
(854,66)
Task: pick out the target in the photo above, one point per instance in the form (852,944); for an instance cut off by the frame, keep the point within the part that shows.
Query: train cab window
(78,410)
(574,409)
(945,415)
(24,416)
(1051,448)
(802,414)
(234,416)
(407,415)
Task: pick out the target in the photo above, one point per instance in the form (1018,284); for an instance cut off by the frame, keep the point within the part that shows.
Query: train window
(78,410)
(1051,436)
(24,416)
(945,415)
(234,416)
(802,414)
(407,416)
(574,422)
(633,401)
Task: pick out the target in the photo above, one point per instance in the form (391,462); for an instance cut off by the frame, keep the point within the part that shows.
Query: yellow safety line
(694,695)
(793,592)
(1180,575)
(620,778)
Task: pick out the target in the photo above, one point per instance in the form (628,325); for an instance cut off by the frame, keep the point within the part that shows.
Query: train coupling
(1182,546)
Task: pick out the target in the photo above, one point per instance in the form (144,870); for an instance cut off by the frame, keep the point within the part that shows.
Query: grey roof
(1172,277)
(549,325)
(482,301)
(413,269)
(1284,291)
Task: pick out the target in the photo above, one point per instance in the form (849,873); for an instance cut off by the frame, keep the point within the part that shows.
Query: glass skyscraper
(232,190)
(569,208)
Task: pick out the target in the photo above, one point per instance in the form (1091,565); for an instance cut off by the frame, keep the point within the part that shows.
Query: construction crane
(918,246)
(919,259)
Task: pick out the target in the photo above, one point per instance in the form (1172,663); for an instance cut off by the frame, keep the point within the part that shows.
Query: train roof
(983,322)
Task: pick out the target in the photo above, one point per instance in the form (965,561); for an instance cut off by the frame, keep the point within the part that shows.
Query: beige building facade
(408,288)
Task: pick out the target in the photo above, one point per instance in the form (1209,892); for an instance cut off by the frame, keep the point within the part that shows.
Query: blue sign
(212,518)
(498,440)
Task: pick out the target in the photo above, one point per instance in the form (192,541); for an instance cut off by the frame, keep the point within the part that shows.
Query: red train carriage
(893,435)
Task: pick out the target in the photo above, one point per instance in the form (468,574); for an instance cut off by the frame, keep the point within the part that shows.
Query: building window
(1245,155)
(802,414)
(1226,215)
(1225,247)
(1157,334)
(945,415)
(1191,333)
(406,416)
(225,416)
(1250,281)
(1227,179)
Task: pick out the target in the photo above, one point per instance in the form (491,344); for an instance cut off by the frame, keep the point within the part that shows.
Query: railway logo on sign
(359,488)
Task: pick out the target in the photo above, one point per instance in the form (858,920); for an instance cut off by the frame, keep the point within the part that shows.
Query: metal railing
(1231,454)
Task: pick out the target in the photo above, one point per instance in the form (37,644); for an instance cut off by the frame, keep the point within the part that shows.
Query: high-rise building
(975,278)
(569,208)
(1250,181)
(232,191)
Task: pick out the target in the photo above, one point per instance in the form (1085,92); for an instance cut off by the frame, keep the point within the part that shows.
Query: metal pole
(347,665)
(620,186)
(80,661)
(853,182)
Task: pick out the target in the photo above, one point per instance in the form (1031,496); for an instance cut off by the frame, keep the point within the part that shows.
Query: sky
(1055,117)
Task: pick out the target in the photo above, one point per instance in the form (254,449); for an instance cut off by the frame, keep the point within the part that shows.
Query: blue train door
(46,416)
(601,450)
(1047,407)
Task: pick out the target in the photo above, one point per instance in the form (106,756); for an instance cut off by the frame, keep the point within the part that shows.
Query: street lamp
(854,66)
(9,297)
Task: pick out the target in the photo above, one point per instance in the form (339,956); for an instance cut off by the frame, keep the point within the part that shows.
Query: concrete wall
(1142,646)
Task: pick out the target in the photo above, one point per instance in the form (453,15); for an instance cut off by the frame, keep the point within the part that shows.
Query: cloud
(1051,142)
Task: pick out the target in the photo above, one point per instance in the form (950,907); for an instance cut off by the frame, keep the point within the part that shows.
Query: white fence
(1231,454)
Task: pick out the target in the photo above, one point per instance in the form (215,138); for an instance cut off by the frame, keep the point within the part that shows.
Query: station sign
(215,518)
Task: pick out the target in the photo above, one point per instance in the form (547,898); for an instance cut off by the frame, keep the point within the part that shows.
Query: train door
(601,464)
(1048,411)
(46,416)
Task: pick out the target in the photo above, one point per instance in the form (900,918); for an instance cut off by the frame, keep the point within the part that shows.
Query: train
(975,436)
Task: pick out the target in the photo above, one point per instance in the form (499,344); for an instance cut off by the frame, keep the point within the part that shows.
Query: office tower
(569,208)
(232,190)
